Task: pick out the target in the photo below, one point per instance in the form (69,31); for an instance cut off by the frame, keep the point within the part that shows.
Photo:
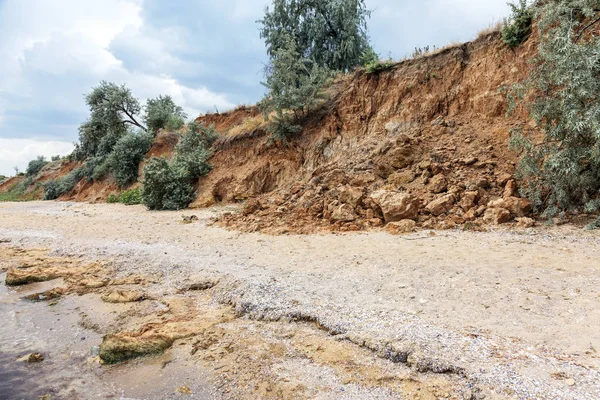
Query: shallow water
(70,369)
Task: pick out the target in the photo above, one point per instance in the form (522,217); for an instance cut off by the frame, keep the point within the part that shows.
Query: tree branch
(586,28)
(133,120)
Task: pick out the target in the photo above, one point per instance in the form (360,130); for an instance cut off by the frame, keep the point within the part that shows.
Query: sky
(204,54)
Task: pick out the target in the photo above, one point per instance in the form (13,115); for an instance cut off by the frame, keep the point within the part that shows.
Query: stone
(350,195)
(401,227)
(470,215)
(524,222)
(31,358)
(497,216)
(483,183)
(438,183)
(252,205)
(400,157)
(510,190)
(518,207)
(343,213)
(396,206)
(441,205)
(401,178)
(469,200)
(503,178)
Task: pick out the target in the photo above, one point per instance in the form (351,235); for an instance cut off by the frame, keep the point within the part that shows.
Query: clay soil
(508,313)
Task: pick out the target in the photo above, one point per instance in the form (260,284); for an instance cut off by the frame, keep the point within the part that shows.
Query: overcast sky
(202,53)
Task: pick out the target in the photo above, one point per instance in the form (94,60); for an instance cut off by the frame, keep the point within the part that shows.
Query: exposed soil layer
(505,313)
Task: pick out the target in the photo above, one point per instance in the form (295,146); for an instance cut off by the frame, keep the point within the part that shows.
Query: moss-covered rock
(122,347)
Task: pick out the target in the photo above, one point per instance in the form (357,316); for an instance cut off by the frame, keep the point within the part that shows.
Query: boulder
(525,222)
(469,200)
(438,184)
(350,195)
(343,213)
(441,205)
(396,206)
(497,216)
(401,227)
(510,190)
(401,178)
(518,207)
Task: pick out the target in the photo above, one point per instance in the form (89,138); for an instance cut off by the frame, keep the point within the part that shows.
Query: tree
(112,109)
(517,28)
(35,166)
(294,87)
(332,33)
(162,111)
(561,172)
(126,156)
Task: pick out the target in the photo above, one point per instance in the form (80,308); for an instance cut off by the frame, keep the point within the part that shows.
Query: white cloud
(18,152)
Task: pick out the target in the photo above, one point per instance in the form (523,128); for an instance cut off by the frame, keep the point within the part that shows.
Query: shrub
(126,156)
(191,154)
(517,27)
(112,198)
(162,111)
(174,123)
(165,186)
(35,166)
(56,188)
(561,173)
(131,197)
(201,134)
(55,158)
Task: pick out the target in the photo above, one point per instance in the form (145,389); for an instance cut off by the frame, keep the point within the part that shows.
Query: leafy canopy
(517,28)
(162,111)
(35,166)
(562,172)
(332,33)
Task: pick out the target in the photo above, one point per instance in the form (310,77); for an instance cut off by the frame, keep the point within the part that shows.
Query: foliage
(165,186)
(191,154)
(331,33)
(112,109)
(562,172)
(35,166)
(131,197)
(517,28)
(379,66)
(20,191)
(126,156)
(294,84)
(199,134)
(112,198)
(55,158)
(55,188)
(162,112)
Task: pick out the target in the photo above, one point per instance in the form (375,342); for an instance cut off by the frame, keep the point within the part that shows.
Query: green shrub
(55,158)
(517,28)
(200,135)
(165,186)
(112,198)
(191,154)
(35,166)
(174,123)
(131,197)
(163,111)
(56,188)
(379,66)
(126,156)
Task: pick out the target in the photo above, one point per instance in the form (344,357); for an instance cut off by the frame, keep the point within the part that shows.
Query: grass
(249,124)
(492,28)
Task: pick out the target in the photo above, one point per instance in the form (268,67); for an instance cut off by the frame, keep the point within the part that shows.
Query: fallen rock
(203,285)
(518,207)
(469,200)
(350,195)
(497,216)
(524,222)
(252,205)
(511,189)
(401,227)
(401,178)
(31,358)
(47,295)
(438,183)
(396,206)
(442,205)
(343,213)
(117,348)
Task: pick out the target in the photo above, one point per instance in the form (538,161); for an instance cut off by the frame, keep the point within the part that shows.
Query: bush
(165,186)
(56,188)
(35,166)
(174,123)
(191,154)
(112,198)
(55,158)
(162,111)
(126,156)
(517,27)
(131,197)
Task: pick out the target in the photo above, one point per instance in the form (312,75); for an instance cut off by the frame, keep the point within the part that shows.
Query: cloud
(18,152)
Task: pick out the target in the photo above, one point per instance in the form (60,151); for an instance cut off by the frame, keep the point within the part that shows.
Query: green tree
(162,111)
(332,33)
(562,171)
(517,28)
(112,109)
(294,87)
(126,156)
(35,166)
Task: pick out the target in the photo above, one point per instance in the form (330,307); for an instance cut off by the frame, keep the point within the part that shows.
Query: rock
(524,222)
(123,296)
(343,213)
(469,161)
(19,277)
(117,348)
(483,183)
(470,215)
(31,358)
(401,178)
(183,390)
(469,200)
(497,216)
(425,165)
(252,205)
(570,382)
(518,207)
(203,284)
(510,190)
(401,227)
(503,179)
(400,157)
(47,295)
(442,205)
(396,206)
(350,195)
(438,183)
